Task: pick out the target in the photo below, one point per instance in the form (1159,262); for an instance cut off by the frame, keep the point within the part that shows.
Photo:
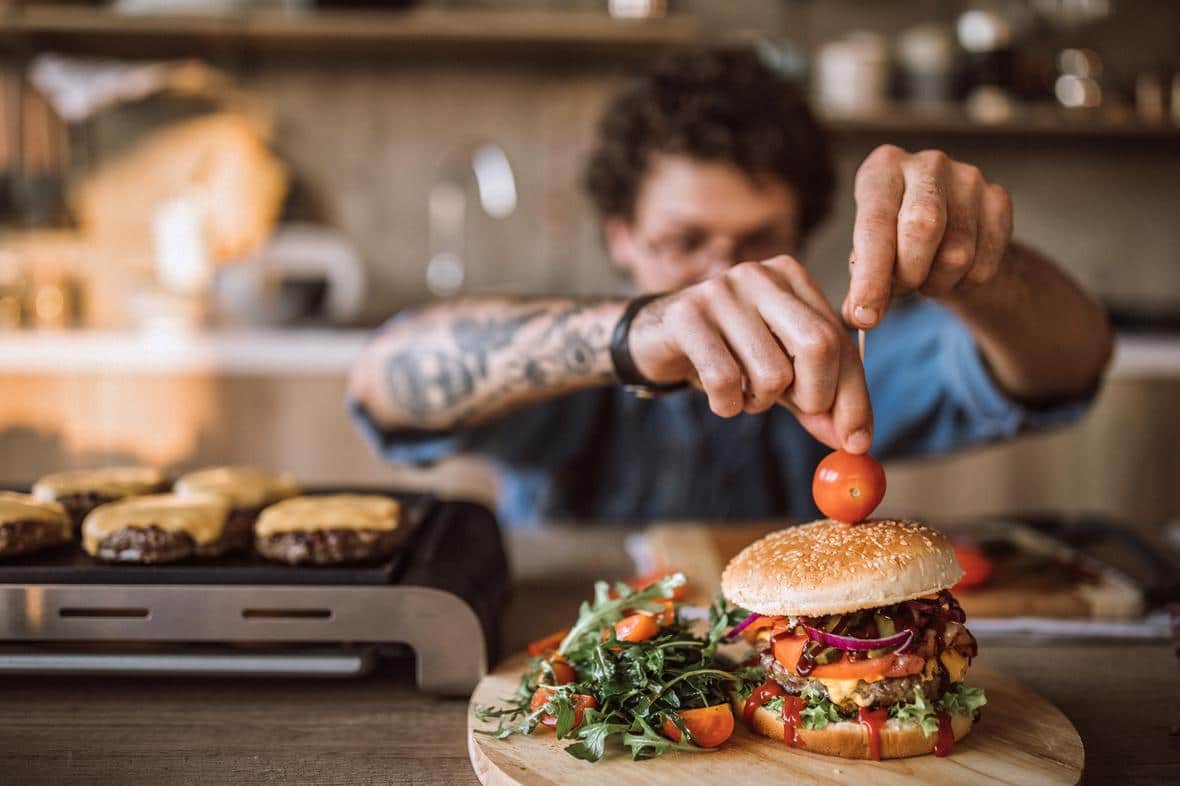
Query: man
(709,173)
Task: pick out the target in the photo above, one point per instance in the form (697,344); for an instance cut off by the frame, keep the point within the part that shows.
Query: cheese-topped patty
(16,507)
(329,512)
(242,487)
(201,518)
(112,482)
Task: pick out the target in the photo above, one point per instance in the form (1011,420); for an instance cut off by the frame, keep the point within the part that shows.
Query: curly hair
(717,105)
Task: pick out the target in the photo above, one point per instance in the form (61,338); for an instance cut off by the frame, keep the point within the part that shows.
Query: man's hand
(925,223)
(758,335)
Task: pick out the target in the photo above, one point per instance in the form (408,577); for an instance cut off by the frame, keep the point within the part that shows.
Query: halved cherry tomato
(637,627)
(788,648)
(848,487)
(550,642)
(563,672)
(977,568)
(709,726)
(668,615)
(581,702)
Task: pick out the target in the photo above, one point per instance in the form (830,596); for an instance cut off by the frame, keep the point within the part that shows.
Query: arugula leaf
(605,611)
(820,711)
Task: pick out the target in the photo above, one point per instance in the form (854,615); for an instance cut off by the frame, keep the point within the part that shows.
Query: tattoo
(478,363)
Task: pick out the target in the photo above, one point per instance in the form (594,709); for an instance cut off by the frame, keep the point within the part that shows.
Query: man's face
(696,219)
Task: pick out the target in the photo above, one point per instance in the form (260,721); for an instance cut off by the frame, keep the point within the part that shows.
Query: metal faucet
(447,210)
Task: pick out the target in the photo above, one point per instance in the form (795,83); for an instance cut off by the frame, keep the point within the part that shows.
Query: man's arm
(456,364)
(925,222)
(1041,336)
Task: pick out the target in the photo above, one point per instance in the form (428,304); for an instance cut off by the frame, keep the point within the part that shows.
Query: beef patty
(22,537)
(890,690)
(326,546)
(150,545)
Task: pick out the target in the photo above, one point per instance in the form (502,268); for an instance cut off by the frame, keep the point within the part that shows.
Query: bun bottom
(850,740)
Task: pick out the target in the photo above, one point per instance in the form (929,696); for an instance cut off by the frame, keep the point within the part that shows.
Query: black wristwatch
(620,355)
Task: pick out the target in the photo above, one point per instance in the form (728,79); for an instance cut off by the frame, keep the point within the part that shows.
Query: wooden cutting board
(1021,738)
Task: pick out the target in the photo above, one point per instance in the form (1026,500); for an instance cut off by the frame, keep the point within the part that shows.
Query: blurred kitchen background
(207,205)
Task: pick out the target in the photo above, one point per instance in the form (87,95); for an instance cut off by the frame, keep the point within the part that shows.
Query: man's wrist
(627,369)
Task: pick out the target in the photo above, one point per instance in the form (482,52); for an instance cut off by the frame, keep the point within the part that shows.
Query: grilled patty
(151,545)
(890,690)
(80,504)
(326,547)
(22,537)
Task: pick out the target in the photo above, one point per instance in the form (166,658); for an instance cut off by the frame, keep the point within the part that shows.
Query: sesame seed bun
(827,567)
(851,740)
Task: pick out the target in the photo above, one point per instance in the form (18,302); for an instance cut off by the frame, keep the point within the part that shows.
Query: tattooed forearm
(459,363)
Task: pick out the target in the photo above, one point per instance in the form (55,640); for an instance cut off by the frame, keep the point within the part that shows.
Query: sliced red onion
(737,629)
(900,640)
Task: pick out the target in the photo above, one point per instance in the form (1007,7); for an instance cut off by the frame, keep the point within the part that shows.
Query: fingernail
(865,316)
(859,441)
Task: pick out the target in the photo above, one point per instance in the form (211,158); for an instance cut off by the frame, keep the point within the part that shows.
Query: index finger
(880,186)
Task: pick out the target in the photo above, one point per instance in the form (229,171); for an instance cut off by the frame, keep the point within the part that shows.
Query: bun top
(827,567)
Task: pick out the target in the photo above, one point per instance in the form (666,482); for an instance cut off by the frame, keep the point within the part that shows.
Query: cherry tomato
(709,726)
(977,568)
(637,627)
(563,672)
(581,702)
(550,642)
(848,487)
(668,615)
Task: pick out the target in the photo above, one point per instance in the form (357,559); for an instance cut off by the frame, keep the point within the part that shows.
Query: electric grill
(439,596)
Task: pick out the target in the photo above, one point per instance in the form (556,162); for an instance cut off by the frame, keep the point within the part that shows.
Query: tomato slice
(977,568)
(581,702)
(751,631)
(546,644)
(788,649)
(709,726)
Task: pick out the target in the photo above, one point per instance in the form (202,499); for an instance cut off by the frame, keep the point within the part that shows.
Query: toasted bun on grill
(851,740)
(827,567)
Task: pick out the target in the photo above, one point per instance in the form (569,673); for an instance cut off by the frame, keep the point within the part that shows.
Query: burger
(864,648)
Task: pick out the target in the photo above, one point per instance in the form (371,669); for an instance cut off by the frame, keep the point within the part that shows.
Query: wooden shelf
(82,28)
(1045,120)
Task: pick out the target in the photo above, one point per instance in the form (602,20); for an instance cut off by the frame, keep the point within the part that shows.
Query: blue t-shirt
(605,455)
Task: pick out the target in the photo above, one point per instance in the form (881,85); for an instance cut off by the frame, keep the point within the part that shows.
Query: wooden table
(1123,698)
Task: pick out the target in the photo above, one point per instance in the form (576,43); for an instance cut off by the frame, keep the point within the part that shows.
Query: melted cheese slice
(202,518)
(242,487)
(335,511)
(108,481)
(16,507)
(956,665)
(839,690)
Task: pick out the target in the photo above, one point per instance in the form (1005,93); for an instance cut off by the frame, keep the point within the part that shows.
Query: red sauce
(792,706)
(873,720)
(762,694)
(945,745)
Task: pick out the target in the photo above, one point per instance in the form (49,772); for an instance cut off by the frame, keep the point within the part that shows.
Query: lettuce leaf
(919,711)
(962,700)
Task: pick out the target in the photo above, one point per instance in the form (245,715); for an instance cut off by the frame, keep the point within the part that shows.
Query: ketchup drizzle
(873,720)
(945,745)
(762,694)
(792,706)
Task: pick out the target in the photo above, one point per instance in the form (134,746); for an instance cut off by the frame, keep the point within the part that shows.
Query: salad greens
(638,686)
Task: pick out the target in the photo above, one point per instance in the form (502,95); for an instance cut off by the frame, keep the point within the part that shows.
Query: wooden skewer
(860,340)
